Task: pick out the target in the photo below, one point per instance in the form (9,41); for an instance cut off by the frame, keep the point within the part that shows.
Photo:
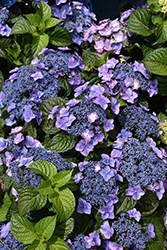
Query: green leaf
(146,50)
(60,37)
(22,229)
(32,131)
(64,202)
(48,126)
(45,168)
(34,19)
(162,86)
(4,210)
(103,59)
(156,61)
(139,22)
(161,117)
(1,78)
(63,229)
(23,27)
(157,242)
(61,178)
(65,84)
(46,226)
(61,143)
(55,243)
(158,20)
(125,203)
(122,102)
(154,6)
(37,245)
(45,188)
(89,58)
(162,33)
(48,104)
(25,247)
(51,22)
(45,11)
(15,51)
(39,42)
(30,199)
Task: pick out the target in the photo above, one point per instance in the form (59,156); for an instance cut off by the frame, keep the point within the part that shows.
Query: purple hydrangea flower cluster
(140,165)
(76,17)
(108,35)
(10,242)
(139,122)
(4,28)
(130,234)
(126,79)
(97,181)
(61,63)
(83,118)
(39,81)
(82,242)
(18,152)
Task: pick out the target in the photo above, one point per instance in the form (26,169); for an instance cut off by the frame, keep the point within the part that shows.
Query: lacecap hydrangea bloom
(30,85)
(139,122)
(18,152)
(9,241)
(142,164)
(77,18)
(98,181)
(83,117)
(4,28)
(130,233)
(126,79)
(108,35)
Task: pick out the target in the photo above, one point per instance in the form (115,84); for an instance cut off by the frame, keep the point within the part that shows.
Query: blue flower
(83,207)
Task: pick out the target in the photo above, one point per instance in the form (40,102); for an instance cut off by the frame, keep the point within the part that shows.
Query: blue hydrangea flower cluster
(82,242)
(24,93)
(29,85)
(97,180)
(61,63)
(93,185)
(141,165)
(24,177)
(129,233)
(11,242)
(79,242)
(80,111)
(40,153)
(77,18)
(139,122)
(18,153)
(4,28)
(127,79)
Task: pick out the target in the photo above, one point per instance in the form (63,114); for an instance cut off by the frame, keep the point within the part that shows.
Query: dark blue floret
(11,243)
(46,155)
(140,165)
(80,111)
(58,62)
(24,177)
(127,70)
(4,14)
(139,122)
(93,185)
(129,233)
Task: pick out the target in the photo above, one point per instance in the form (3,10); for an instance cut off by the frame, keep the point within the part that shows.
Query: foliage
(83,161)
